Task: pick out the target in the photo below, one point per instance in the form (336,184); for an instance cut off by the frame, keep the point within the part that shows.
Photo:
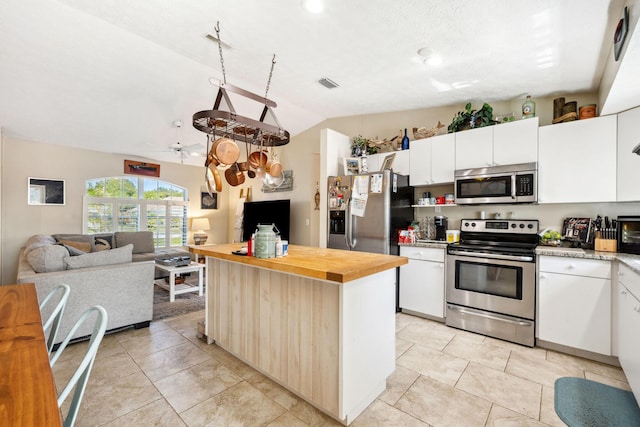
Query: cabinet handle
(571,266)
(441,265)
(636,308)
(623,292)
(542,276)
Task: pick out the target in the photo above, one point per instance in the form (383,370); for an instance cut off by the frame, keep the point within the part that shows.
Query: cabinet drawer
(425,254)
(576,266)
(630,279)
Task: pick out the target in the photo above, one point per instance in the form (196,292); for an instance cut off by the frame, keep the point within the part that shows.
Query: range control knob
(530,226)
(466,224)
(521,225)
(513,226)
(473,224)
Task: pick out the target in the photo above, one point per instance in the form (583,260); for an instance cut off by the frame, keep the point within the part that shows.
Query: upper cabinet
(628,162)
(432,160)
(503,144)
(577,161)
(400,162)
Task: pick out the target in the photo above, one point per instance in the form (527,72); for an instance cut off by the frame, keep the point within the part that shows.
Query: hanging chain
(224,74)
(273,64)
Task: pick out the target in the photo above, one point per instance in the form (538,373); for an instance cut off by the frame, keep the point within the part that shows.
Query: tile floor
(166,376)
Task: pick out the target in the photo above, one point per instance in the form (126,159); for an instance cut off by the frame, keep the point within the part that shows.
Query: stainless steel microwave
(629,234)
(506,184)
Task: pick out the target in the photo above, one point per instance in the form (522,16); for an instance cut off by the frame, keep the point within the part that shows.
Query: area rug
(582,403)
(184,303)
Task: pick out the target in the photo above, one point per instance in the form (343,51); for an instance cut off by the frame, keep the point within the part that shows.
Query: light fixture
(313,6)
(200,225)
(328,83)
(636,150)
(429,57)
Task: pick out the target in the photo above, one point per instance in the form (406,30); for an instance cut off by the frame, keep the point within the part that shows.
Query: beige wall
(22,159)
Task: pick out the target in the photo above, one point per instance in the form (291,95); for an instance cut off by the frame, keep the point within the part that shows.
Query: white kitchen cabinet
(516,142)
(577,161)
(628,162)
(422,281)
(474,148)
(400,162)
(628,325)
(432,160)
(574,303)
(503,144)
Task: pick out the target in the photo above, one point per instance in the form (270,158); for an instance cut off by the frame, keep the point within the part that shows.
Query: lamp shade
(200,224)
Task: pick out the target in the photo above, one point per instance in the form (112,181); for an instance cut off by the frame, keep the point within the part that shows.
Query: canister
(453,236)
(265,244)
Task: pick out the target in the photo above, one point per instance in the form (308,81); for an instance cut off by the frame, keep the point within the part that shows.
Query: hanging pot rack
(225,123)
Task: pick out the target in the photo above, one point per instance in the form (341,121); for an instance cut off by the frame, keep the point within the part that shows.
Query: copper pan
(225,150)
(234,175)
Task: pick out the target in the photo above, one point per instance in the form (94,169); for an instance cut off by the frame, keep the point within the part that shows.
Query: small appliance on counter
(441,227)
(628,230)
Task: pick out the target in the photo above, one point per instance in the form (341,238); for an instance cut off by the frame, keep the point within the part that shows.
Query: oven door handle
(491,256)
(487,316)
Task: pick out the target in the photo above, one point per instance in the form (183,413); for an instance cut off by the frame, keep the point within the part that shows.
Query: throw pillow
(95,259)
(101,244)
(37,241)
(73,251)
(48,258)
(142,241)
(83,246)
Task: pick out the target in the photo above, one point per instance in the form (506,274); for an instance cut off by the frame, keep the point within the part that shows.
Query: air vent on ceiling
(215,40)
(328,83)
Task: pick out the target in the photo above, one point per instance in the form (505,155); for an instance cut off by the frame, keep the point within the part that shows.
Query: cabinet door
(474,148)
(443,157)
(515,142)
(628,162)
(401,163)
(575,311)
(420,162)
(374,161)
(422,287)
(628,323)
(577,161)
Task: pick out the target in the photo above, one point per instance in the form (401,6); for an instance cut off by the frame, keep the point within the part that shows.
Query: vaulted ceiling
(114,75)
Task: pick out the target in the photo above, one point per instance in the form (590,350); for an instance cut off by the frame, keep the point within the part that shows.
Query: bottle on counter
(405,141)
(528,108)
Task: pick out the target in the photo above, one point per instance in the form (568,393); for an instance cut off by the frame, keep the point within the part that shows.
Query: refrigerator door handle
(348,235)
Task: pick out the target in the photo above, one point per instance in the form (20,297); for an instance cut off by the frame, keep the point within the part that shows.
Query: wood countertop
(326,264)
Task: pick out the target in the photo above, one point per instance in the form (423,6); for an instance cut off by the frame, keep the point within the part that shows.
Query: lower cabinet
(422,281)
(574,303)
(627,323)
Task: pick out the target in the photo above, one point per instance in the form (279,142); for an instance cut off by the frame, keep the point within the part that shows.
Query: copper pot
(234,175)
(225,150)
(274,168)
(213,180)
(258,159)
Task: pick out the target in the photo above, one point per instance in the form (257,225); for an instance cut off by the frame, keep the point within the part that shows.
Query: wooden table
(27,390)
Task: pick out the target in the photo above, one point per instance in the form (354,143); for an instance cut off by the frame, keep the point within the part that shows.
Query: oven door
(493,283)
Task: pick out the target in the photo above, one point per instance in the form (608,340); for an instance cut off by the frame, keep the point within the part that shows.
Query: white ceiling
(113,75)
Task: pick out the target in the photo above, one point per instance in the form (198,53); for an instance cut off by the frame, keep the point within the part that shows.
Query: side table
(184,287)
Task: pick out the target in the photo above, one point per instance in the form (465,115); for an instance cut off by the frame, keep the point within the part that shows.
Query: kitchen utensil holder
(606,245)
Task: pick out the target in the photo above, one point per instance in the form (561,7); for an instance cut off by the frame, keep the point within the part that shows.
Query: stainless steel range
(491,279)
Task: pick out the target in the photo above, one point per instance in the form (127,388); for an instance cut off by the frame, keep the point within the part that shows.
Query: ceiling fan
(184,151)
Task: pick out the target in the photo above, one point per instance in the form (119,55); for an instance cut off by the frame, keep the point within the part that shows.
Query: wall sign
(141,168)
(621,33)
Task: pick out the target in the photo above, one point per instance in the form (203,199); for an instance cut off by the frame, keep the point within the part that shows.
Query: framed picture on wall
(208,201)
(42,191)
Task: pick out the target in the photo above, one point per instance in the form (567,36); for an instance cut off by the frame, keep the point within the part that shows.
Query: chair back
(53,321)
(81,375)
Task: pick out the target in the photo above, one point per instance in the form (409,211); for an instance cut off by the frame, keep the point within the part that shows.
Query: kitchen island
(320,322)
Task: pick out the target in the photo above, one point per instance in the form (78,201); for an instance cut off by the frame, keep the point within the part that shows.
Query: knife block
(606,245)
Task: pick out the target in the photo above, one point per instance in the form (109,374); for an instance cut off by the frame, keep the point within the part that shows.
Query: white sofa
(109,278)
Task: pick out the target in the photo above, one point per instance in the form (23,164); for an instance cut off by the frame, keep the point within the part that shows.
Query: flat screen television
(266,212)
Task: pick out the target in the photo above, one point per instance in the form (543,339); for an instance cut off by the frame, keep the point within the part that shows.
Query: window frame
(142,204)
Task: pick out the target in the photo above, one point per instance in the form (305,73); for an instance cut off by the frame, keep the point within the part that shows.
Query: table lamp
(199,225)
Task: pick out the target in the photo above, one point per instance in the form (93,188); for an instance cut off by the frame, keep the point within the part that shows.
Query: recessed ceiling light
(313,6)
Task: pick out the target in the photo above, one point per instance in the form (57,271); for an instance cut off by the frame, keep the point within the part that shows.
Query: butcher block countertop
(325,264)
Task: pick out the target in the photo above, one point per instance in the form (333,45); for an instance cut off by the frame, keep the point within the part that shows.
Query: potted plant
(358,145)
(470,119)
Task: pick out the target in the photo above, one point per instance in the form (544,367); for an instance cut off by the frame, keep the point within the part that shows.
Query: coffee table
(183,287)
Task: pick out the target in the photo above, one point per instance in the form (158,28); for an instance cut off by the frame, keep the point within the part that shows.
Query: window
(135,204)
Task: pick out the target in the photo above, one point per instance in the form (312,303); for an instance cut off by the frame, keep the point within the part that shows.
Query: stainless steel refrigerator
(371,225)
